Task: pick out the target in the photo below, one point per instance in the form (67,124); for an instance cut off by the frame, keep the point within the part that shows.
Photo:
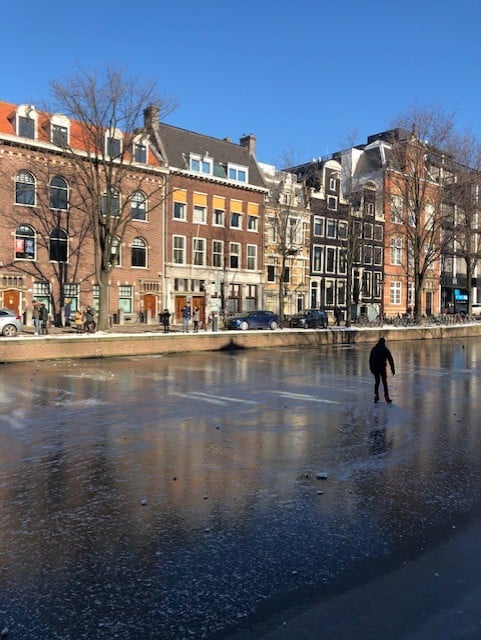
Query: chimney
(151,117)
(249,142)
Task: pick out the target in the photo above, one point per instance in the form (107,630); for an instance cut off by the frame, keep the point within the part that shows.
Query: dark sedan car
(253,320)
(310,319)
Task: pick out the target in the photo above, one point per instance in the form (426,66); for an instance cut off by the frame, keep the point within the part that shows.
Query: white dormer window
(201,164)
(59,130)
(237,172)
(113,143)
(140,149)
(26,119)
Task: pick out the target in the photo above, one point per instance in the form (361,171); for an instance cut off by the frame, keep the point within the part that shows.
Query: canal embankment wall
(104,345)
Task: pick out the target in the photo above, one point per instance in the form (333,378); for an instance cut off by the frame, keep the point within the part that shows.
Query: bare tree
(107,107)
(418,175)
(463,200)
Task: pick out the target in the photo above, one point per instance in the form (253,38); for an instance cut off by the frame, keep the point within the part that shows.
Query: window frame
(25,193)
(198,252)
(25,234)
(179,250)
(138,250)
(58,247)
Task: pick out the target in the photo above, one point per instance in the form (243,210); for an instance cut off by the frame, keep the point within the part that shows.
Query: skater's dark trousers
(378,376)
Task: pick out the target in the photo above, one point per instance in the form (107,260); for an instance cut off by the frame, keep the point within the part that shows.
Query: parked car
(253,320)
(10,323)
(310,319)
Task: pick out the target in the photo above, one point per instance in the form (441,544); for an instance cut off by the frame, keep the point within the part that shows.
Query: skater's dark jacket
(380,356)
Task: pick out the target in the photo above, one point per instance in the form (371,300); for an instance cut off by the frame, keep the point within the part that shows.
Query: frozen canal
(176,497)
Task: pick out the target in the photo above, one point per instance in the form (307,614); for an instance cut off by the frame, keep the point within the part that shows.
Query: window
(318,226)
(378,232)
(179,210)
(370,209)
(140,153)
(139,252)
(332,203)
(237,173)
(234,250)
(25,188)
(42,292)
(367,254)
(330,259)
(329,292)
(252,222)
(235,220)
(397,206)
(342,230)
(198,250)
(272,230)
(179,249)
(201,164)
(58,245)
(113,147)
(58,193)
(330,228)
(138,205)
(396,251)
(332,184)
(287,275)
(26,127)
(59,135)
(317,258)
(24,242)
(199,216)
(377,284)
(366,283)
(115,252)
(341,292)
(111,203)
(71,292)
(368,230)
(294,232)
(271,273)
(342,261)
(395,292)
(217,254)
(126,298)
(430,217)
(219,217)
(378,256)
(251,257)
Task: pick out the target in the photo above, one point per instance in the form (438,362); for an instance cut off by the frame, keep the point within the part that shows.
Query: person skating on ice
(378,359)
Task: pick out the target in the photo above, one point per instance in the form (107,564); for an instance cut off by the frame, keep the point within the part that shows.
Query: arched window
(24,242)
(111,203)
(58,248)
(58,193)
(139,252)
(25,188)
(138,205)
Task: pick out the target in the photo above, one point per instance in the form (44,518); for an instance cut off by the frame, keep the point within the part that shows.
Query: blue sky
(303,77)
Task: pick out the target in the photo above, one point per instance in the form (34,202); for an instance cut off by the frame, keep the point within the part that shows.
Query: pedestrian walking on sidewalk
(196,319)
(166,320)
(36,317)
(379,357)
(185,318)
(43,319)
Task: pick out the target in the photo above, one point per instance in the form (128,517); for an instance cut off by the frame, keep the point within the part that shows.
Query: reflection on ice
(171,497)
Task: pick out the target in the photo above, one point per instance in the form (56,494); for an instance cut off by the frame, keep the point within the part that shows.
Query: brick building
(46,249)
(213,221)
